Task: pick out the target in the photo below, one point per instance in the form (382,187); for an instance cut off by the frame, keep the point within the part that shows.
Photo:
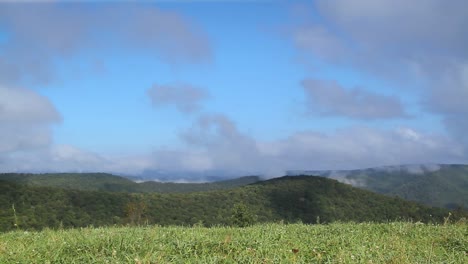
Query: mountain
(185,175)
(431,184)
(113,183)
(290,199)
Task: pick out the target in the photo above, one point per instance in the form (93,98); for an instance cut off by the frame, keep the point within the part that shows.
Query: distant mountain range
(112,183)
(184,176)
(289,199)
(430,184)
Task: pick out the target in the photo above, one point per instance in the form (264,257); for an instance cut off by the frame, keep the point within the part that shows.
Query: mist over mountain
(185,176)
(40,201)
(441,185)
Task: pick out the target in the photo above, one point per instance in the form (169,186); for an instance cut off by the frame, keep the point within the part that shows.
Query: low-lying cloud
(214,145)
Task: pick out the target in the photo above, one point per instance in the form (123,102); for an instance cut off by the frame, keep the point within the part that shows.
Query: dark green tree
(135,211)
(241,216)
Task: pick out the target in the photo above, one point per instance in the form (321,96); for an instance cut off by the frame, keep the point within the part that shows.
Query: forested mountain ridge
(433,185)
(113,183)
(290,199)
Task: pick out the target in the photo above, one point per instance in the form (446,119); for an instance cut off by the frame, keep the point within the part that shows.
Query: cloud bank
(41,33)
(215,144)
(420,42)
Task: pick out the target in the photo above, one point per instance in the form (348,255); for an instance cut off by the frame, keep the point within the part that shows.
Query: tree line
(287,199)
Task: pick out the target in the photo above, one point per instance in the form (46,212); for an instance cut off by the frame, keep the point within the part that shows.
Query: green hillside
(112,183)
(445,187)
(291,199)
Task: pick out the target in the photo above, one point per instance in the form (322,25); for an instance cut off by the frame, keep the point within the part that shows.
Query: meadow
(395,242)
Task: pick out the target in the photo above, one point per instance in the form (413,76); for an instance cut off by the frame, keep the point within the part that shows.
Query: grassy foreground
(268,243)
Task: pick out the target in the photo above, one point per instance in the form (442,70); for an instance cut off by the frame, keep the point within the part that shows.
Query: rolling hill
(433,185)
(290,199)
(112,183)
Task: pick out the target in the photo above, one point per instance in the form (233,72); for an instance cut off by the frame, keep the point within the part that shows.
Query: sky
(202,88)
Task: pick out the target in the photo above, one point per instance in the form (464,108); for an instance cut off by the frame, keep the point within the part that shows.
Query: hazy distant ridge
(440,185)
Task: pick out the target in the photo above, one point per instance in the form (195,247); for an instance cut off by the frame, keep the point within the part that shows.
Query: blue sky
(235,87)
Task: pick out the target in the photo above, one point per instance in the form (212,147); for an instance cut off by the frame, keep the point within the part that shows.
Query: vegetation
(112,183)
(264,222)
(241,216)
(398,242)
(289,199)
(446,187)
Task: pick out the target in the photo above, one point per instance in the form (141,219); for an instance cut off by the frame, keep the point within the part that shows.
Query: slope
(445,187)
(113,183)
(433,185)
(290,199)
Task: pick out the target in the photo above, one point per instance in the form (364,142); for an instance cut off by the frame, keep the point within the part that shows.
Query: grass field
(268,243)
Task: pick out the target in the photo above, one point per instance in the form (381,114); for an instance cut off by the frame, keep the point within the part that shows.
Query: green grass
(268,243)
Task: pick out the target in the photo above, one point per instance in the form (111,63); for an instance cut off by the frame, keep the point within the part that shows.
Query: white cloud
(215,144)
(38,34)
(421,43)
(319,41)
(184,97)
(408,133)
(67,158)
(25,119)
(425,39)
(360,147)
(218,138)
(19,105)
(400,28)
(330,99)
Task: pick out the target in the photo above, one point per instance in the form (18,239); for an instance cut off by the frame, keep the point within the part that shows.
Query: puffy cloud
(19,105)
(36,34)
(359,147)
(450,93)
(420,42)
(25,119)
(330,99)
(319,41)
(400,27)
(218,137)
(448,97)
(16,137)
(67,158)
(25,127)
(390,38)
(215,145)
(54,158)
(185,98)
